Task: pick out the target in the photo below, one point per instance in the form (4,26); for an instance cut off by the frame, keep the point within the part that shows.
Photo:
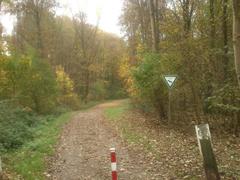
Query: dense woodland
(194,40)
(50,63)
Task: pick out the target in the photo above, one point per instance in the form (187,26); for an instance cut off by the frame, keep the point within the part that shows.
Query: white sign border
(170,75)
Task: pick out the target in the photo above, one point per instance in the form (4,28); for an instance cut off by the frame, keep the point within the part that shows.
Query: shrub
(15,126)
(99,90)
(67,96)
(31,81)
(147,79)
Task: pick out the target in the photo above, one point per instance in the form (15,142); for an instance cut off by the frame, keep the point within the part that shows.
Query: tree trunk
(212,37)
(187,17)
(236,36)
(153,26)
(212,24)
(196,101)
(86,87)
(157,25)
(39,33)
(1,5)
(141,16)
(225,39)
(1,28)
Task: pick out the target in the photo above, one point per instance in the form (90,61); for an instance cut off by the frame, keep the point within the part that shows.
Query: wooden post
(205,147)
(1,171)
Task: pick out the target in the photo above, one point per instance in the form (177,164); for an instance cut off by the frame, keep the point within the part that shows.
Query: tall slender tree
(153,4)
(236,36)
(225,38)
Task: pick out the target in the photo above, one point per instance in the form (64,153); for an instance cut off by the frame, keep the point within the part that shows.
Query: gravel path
(83,150)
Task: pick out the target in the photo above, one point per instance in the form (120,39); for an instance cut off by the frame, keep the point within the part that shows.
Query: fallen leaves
(175,154)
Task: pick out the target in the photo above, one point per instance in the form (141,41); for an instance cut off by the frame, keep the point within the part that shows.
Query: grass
(29,160)
(115,115)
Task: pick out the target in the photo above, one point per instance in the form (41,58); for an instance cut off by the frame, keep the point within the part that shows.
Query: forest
(195,41)
(50,63)
(54,64)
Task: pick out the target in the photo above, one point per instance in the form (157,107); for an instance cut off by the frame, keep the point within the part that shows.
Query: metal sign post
(205,147)
(170,80)
(169,107)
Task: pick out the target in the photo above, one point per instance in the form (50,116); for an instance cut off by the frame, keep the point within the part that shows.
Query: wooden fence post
(205,147)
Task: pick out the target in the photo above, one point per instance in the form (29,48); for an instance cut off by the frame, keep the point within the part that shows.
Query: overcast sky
(109,11)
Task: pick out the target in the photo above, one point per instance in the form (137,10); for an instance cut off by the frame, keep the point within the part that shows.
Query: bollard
(113,163)
(205,147)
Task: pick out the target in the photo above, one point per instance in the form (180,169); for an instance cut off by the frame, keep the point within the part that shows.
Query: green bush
(70,101)
(38,86)
(30,80)
(224,101)
(149,83)
(99,90)
(15,126)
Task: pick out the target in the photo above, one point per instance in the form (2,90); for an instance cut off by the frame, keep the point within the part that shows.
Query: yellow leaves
(64,82)
(140,48)
(125,74)
(66,87)
(124,68)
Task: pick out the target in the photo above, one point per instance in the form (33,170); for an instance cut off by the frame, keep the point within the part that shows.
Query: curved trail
(83,150)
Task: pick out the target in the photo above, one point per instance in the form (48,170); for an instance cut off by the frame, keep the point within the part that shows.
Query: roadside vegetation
(29,161)
(174,148)
(28,139)
(190,39)
(116,112)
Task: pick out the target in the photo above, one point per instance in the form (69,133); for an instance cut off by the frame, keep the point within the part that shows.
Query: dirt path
(83,150)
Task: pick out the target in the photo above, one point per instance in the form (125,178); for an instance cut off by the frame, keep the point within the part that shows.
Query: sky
(107,10)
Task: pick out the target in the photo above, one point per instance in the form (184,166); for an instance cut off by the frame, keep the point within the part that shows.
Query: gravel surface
(83,151)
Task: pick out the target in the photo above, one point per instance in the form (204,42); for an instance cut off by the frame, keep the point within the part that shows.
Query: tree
(225,38)
(236,37)
(185,29)
(154,17)
(66,96)
(86,49)
(78,59)
(34,21)
(30,81)
(212,30)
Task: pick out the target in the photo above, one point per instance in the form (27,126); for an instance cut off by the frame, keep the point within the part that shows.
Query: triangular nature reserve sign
(170,80)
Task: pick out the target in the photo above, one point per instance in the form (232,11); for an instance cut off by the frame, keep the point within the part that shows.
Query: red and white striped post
(113,163)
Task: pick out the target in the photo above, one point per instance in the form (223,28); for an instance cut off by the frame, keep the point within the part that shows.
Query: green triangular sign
(170,80)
